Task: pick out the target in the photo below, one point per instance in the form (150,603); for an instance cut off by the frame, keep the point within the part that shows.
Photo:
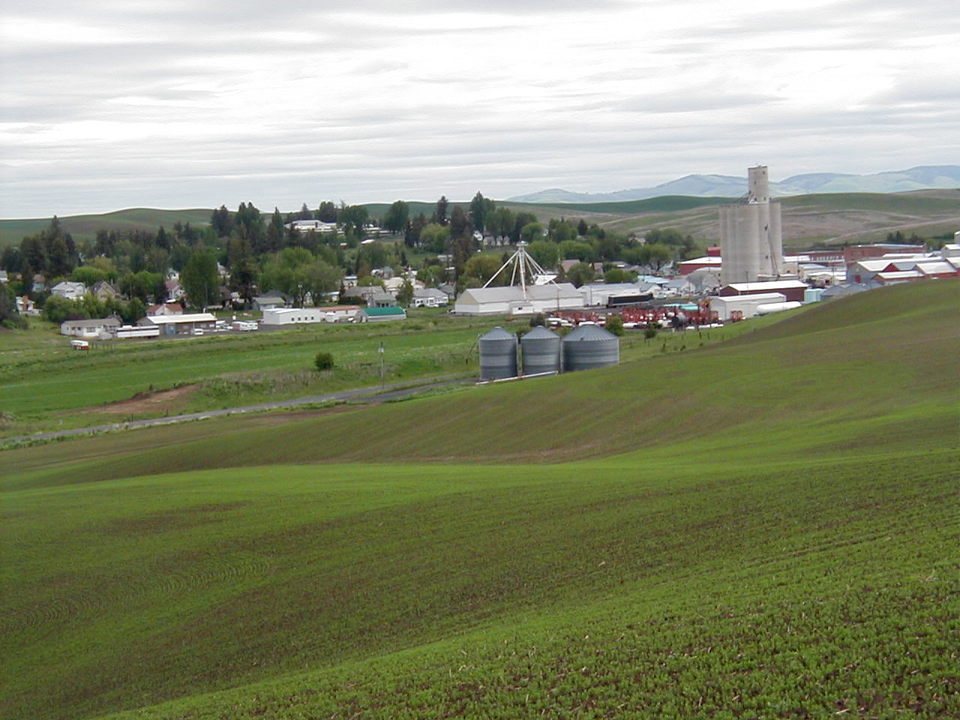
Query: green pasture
(910,204)
(45,384)
(84,227)
(765,527)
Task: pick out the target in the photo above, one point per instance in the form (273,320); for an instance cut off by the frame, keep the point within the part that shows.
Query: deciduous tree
(200,279)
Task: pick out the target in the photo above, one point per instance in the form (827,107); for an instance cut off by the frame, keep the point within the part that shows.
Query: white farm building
(746,305)
(510,300)
(283,317)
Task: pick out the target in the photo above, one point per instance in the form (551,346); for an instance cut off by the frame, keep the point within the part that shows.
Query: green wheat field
(764,527)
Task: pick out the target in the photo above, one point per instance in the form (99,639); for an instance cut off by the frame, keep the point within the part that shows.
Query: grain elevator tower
(750,240)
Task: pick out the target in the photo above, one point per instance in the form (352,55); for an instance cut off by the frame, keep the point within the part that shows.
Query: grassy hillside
(829,217)
(84,227)
(834,218)
(762,528)
(667,203)
(48,386)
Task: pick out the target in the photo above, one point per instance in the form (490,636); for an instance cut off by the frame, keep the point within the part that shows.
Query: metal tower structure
(524,266)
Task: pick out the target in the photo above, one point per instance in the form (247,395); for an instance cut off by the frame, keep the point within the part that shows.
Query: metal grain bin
(498,355)
(541,351)
(588,347)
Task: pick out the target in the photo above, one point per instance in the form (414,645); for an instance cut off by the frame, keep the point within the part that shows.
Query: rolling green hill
(761,528)
(834,218)
(84,227)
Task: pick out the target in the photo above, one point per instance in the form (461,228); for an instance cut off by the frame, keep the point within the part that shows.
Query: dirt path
(147,402)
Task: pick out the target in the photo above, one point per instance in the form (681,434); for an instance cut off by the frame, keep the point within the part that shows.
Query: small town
(469,361)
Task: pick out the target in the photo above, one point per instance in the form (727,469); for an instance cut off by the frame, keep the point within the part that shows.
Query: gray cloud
(185,104)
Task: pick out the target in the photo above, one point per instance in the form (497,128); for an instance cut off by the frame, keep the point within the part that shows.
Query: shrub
(323,361)
(650,333)
(615,324)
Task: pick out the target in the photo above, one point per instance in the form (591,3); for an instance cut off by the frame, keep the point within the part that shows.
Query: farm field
(765,527)
(48,386)
(830,218)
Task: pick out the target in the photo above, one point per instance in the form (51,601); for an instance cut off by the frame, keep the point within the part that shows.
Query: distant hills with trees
(926,177)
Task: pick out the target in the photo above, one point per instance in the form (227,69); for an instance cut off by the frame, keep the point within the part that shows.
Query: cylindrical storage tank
(588,347)
(498,355)
(541,351)
(768,308)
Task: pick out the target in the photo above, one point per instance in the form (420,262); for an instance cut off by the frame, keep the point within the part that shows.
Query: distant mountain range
(919,178)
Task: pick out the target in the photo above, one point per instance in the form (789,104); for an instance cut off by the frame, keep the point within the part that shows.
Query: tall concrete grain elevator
(750,239)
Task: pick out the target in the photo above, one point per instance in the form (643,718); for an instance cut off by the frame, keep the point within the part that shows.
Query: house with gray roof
(429,297)
(69,290)
(97,327)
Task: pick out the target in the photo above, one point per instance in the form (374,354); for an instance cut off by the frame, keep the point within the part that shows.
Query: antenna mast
(521,265)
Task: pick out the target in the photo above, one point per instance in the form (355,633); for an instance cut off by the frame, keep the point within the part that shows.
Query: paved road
(390,391)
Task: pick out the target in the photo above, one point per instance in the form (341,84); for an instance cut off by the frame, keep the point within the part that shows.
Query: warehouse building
(741,307)
(792,290)
(512,300)
(281,317)
(189,324)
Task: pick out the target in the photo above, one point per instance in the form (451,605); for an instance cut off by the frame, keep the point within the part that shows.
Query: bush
(58,309)
(615,324)
(323,361)
(650,333)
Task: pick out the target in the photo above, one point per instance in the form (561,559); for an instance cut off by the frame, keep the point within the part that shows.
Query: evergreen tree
(275,232)
(440,213)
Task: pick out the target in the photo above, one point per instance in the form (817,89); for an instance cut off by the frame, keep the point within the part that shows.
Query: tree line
(247,252)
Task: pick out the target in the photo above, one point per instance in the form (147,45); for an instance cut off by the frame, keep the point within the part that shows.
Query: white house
(318,226)
(429,297)
(98,327)
(69,290)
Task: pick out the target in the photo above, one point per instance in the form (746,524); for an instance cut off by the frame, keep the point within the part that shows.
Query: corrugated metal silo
(588,347)
(498,355)
(541,351)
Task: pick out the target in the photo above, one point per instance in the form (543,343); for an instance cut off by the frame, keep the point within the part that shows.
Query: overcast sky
(126,103)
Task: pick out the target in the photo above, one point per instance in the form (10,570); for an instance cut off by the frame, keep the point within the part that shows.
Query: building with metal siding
(510,300)
(751,242)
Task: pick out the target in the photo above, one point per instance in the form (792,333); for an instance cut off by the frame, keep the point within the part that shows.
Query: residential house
(175,292)
(69,290)
(429,297)
(97,327)
(165,309)
(103,291)
(269,301)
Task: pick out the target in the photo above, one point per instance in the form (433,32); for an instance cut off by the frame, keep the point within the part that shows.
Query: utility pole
(381,366)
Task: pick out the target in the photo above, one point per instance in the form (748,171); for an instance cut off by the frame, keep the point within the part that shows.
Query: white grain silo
(751,242)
